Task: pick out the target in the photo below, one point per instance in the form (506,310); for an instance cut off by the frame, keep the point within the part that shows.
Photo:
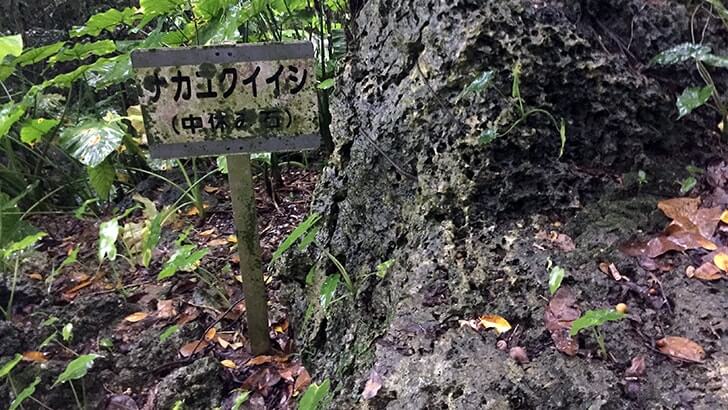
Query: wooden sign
(223,100)
(232,101)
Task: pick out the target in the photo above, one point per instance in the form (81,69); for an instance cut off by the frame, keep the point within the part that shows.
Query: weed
(594,319)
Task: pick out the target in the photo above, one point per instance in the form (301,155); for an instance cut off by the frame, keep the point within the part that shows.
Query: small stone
(519,355)
(502,345)
(622,308)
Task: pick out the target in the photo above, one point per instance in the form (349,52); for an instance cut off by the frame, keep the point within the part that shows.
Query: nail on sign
(224,100)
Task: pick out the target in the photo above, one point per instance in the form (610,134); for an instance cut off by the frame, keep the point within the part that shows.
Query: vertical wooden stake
(246,228)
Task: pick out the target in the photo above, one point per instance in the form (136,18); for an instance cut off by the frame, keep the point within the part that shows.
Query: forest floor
(161,342)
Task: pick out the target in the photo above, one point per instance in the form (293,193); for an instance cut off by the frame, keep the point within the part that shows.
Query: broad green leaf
(65,80)
(38,54)
(222,165)
(308,239)
(715,61)
(108,234)
(328,290)
(92,141)
(10,113)
(263,157)
(314,396)
(556,275)
(67,332)
(10,365)
(681,53)
(151,239)
(102,178)
(108,72)
(106,21)
(82,51)
(184,259)
(24,394)
(720,10)
(152,9)
(479,84)
(687,184)
(11,45)
(326,84)
(6,70)
(692,98)
(22,244)
(383,268)
(488,136)
(33,130)
(168,332)
(297,233)
(76,369)
(593,318)
(240,399)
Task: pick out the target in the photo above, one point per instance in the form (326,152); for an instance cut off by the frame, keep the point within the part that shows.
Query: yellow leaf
(136,317)
(724,217)
(495,322)
(210,189)
(208,232)
(193,211)
(232,239)
(37,357)
(222,342)
(217,242)
(210,334)
(721,261)
(229,364)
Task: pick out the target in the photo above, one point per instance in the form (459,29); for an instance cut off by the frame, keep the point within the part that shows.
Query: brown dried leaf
(229,364)
(188,315)
(36,357)
(210,334)
(373,385)
(207,233)
(35,276)
(166,309)
(217,242)
(681,349)
(638,367)
(193,347)
(302,382)
(136,317)
(558,317)
(707,271)
(258,360)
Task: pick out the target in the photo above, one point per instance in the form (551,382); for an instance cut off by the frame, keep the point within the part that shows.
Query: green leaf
(22,244)
(108,234)
(10,113)
(484,80)
(314,396)
(488,136)
(714,60)
(383,268)
(297,233)
(168,332)
(593,318)
(76,369)
(183,259)
(47,340)
(33,130)
(151,239)
(328,290)
(11,45)
(70,259)
(65,80)
(556,275)
(24,394)
(326,84)
(82,51)
(308,239)
(692,98)
(152,9)
(562,136)
(222,165)
(10,365)
(687,184)
(240,399)
(92,141)
(102,178)
(107,72)
(6,70)
(106,21)
(38,54)
(106,343)
(681,53)
(67,332)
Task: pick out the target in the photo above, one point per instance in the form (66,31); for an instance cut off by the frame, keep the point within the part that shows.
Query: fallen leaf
(210,334)
(282,327)
(558,317)
(222,342)
(136,317)
(681,349)
(35,276)
(36,357)
(724,217)
(188,315)
(229,364)
(721,261)
(707,271)
(166,309)
(560,241)
(193,347)
(70,294)
(193,211)
(210,189)
(495,322)
(207,233)
(373,385)
(217,242)
(258,360)
(232,239)
(302,382)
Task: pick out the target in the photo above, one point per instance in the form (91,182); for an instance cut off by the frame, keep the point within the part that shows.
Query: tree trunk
(409,181)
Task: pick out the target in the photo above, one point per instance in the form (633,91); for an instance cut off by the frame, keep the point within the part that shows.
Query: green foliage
(681,53)
(101,178)
(185,258)
(383,268)
(108,234)
(300,231)
(82,51)
(692,98)
(240,399)
(34,130)
(10,46)
(168,332)
(106,21)
(67,332)
(23,244)
(687,184)
(314,396)
(92,141)
(39,54)
(328,291)
(480,84)
(76,369)
(594,318)
(10,113)
(556,276)
(10,365)
(24,394)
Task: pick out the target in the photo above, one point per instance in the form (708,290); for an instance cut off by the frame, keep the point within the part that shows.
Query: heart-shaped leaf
(92,141)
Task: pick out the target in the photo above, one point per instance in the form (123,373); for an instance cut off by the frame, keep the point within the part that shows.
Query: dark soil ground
(139,370)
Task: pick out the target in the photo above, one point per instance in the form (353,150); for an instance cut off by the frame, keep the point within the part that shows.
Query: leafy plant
(556,276)
(314,396)
(594,319)
(24,394)
(185,258)
(75,370)
(13,250)
(304,230)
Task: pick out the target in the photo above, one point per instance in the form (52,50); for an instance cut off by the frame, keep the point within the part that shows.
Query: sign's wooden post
(243,199)
(232,100)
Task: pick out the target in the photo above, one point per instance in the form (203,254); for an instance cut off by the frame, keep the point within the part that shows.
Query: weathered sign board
(223,100)
(232,100)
